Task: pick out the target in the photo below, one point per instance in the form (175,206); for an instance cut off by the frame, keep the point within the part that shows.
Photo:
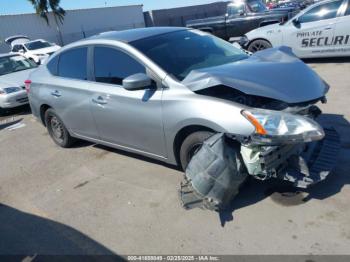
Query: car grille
(22,100)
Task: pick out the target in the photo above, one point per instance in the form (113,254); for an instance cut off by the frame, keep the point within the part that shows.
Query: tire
(258,45)
(191,145)
(57,129)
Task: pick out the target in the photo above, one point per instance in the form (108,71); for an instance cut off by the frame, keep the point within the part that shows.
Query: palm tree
(42,9)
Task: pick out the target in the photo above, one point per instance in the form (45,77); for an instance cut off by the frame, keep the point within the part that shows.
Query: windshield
(11,64)
(178,53)
(37,45)
(257,6)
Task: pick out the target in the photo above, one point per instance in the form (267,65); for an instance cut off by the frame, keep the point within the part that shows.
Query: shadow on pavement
(23,234)
(9,122)
(282,193)
(18,111)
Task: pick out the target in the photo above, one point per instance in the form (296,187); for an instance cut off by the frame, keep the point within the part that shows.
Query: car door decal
(315,39)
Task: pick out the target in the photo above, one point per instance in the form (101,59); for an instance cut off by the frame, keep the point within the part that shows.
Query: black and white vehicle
(321,30)
(36,50)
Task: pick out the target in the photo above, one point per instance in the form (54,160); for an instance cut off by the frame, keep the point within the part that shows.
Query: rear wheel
(258,45)
(191,145)
(57,129)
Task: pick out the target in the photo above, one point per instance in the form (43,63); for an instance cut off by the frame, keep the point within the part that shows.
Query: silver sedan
(161,92)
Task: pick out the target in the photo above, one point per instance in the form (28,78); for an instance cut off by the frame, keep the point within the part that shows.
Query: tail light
(27,85)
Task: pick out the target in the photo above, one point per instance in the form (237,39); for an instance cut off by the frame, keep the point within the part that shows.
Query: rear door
(128,119)
(312,35)
(70,93)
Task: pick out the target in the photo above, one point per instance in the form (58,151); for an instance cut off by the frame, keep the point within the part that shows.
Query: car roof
(131,35)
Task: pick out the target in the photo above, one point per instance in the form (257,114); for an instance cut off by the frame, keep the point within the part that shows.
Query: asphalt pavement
(91,199)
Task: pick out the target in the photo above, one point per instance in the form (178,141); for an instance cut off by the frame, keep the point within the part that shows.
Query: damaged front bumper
(217,171)
(301,164)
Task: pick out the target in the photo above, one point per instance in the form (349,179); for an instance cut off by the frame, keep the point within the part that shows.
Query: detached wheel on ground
(191,145)
(57,129)
(258,45)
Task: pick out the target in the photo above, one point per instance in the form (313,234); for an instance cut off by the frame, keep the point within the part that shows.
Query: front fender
(199,110)
(273,36)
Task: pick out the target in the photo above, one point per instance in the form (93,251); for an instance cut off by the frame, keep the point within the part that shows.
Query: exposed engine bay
(219,168)
(233,95)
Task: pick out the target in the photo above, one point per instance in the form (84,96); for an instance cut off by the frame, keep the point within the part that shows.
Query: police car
(321,30)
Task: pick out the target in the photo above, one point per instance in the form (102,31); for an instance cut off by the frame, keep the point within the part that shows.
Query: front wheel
(191,145)
(57,129)
(258,45)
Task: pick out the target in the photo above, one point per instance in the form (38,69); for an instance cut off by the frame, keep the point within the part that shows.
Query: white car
(14,71)
(37,50)
(321,30)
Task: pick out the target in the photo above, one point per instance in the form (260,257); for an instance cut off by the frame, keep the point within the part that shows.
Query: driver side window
(112,66)
(322,12)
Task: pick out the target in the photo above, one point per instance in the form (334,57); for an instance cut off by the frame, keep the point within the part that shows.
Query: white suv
(36,50)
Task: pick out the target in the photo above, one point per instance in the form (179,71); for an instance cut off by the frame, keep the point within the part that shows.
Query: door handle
(328,28)
(56,93)
(99,100)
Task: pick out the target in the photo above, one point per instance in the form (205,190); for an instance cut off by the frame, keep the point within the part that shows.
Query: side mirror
(137,82)
(241,13)
(21,51)
(296,22)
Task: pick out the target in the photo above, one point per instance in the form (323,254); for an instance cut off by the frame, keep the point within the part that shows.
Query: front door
(312,33)
(128,119)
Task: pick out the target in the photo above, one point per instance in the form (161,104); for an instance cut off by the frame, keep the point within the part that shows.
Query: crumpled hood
(15,79)
(274,73)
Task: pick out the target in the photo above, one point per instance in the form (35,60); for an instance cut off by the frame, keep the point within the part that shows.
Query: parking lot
(95,200)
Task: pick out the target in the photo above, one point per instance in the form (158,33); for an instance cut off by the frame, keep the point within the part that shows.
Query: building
(77,24)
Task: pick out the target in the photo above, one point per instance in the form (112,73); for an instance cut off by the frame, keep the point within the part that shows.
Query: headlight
(9,90)
(273,127)
(243,40)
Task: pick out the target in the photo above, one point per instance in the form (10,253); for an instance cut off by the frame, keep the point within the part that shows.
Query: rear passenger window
(112,65)
(52,66)
(73,63)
